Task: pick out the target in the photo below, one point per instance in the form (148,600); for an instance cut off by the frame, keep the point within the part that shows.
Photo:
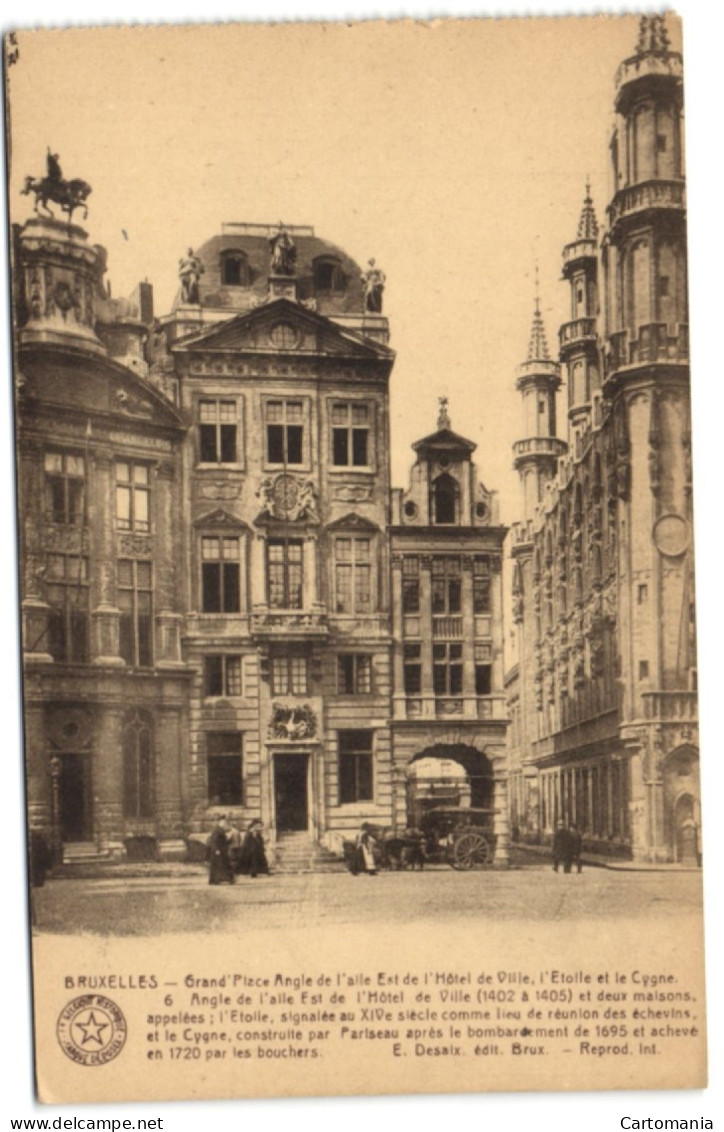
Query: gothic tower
(579,349)
(537,453)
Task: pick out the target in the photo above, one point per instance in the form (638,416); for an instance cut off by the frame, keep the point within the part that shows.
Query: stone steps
(299,853)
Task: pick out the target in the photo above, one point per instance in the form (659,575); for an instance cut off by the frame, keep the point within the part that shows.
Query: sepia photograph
(354,473)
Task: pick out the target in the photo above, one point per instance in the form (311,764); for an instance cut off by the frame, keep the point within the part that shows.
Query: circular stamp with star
(91,1030)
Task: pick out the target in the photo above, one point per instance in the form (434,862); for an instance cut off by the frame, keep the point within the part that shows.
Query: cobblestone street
(186,903)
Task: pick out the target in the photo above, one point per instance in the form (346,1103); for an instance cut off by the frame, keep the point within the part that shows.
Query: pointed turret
(538,380)
(578,338)
(644,258)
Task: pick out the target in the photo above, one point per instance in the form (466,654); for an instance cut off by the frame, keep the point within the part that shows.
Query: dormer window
(328,274)
(234,269)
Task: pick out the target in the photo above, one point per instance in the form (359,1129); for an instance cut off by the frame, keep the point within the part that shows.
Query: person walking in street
(364,855)
(220,870)
(253,854)
(562,848)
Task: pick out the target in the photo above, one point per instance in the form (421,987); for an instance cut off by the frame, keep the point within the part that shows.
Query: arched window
(328,274)
(137,747)
(445,499)
(234,269)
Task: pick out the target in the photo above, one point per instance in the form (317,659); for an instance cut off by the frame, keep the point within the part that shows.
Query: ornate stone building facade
(603,696)
(211,624)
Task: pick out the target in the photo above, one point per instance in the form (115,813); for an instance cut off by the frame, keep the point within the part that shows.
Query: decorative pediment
(282,327)
(221,519)
(444,440)
(353,522)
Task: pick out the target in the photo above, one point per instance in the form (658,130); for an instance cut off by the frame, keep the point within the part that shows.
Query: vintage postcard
(355,516)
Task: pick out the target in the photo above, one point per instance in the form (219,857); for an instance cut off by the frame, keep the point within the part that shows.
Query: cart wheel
(470,850)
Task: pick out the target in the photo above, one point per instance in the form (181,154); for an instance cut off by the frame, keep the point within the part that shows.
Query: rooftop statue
(374,284)
(190,270)
(282,251)
(52,187)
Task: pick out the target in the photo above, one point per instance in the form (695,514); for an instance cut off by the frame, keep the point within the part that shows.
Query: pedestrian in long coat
(562,848)
(220,870)
(253,854)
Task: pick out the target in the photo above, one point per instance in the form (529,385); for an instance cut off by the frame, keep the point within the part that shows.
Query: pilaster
(105,615)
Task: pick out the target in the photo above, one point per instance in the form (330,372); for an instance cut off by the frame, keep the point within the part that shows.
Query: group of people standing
(567,846)
(232,853)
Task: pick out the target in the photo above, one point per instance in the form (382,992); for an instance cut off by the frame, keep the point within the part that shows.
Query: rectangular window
(481,585)
(446,585)
(350,434)
(447,669)
(642,594)
(661,143)
(67,594)
(222,675)
(355,767)
(64,487)
(132,496)
(284,432)
(413,669)
(411,584)
(218,432)
(220,587)
(482,679)
(135,603)
(643,670)
(284,573)
(354,675)
(289,676)
(353,575)
(224,767)
(664,286)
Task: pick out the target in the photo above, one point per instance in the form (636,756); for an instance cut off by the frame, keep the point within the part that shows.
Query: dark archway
(437,786)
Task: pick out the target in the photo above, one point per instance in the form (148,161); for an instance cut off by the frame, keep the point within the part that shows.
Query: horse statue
(70,195)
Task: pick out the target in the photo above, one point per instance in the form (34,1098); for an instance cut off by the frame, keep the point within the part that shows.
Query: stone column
(170,750)
(470,703)
(258,573)
(34,608)
(169,622)
(398,665)
(107,782)
(500,804)
(428,693)
(37,770)
(105,614)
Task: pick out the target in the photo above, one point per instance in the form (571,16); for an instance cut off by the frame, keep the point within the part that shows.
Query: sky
(457,184)
(456,154)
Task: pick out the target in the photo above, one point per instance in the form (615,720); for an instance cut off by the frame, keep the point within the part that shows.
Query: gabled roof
(352,522)
(252,331)
(445,439)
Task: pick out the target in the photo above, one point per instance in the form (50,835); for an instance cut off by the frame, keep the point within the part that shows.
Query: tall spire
(537,346)
(588,225)
(653,37)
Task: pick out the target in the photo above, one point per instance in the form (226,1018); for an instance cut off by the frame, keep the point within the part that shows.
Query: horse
(68,194)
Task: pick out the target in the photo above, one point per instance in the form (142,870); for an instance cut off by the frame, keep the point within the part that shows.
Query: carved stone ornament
(288,498)
(292,723)
(134,546)
(70,729)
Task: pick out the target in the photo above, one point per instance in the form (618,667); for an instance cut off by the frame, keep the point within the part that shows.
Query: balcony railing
(577,331)
(448,626)
(671,706)
(654,344)
(289,624)
(579,249)
(647,195)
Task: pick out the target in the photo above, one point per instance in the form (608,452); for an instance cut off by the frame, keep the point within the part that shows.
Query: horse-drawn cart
(462,837)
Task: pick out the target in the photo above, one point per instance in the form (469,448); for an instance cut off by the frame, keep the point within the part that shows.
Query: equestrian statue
(70,195)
